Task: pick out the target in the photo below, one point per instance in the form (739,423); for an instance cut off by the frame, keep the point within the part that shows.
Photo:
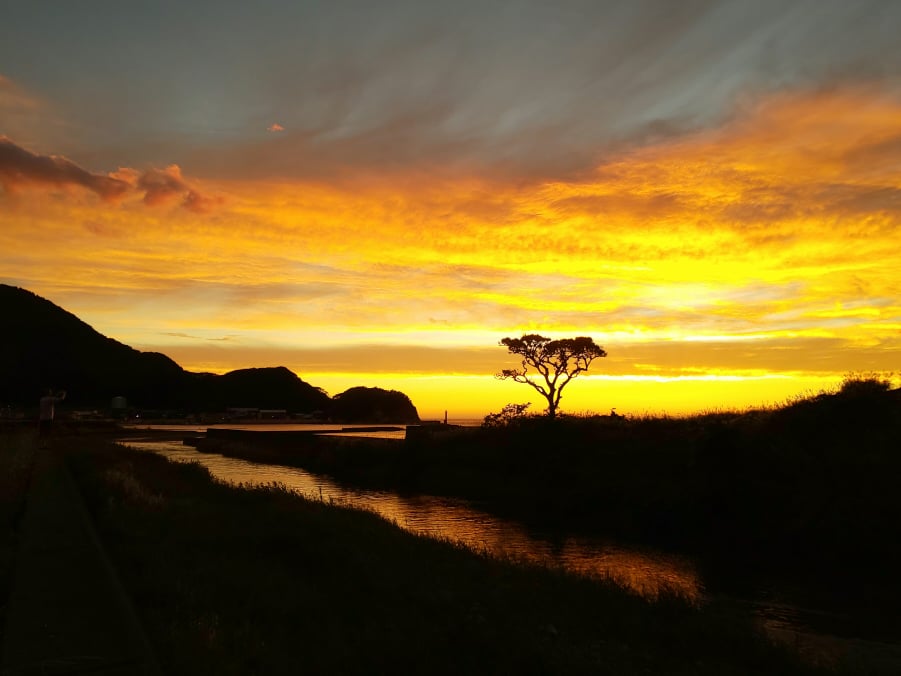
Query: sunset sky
(375,193)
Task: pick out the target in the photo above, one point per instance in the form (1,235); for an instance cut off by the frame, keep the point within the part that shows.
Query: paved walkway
(68,612)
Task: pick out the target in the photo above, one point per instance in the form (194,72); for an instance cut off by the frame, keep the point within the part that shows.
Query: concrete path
(68,612)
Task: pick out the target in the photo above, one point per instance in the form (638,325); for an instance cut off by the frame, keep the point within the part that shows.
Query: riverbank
(66,610)
(235,581)
(804,494)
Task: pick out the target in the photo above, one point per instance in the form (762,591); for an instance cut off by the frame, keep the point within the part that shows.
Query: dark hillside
(268,388)
(43,346)
(373,405)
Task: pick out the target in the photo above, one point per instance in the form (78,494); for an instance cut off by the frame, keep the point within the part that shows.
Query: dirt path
(68,613)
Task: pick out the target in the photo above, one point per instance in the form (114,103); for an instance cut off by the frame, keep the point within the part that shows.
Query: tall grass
(806,490)
(260,580)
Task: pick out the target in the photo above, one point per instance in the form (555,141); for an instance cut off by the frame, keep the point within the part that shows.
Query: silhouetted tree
(556,362)
(507,416)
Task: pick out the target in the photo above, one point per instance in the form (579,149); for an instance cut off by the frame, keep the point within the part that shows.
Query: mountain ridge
(45,346)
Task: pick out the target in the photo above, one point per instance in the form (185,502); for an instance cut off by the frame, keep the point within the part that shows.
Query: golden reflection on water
(648,574)
(645,573)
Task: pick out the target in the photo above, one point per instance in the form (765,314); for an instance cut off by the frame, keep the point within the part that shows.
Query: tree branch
(556,361)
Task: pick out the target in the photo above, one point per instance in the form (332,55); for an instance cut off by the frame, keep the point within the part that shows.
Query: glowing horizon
(727,234)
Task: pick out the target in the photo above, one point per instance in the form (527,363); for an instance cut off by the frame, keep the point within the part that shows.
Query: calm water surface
(820,636)
(644,573)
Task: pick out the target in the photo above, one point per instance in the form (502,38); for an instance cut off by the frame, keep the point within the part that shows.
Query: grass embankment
(808,490)
(240,581)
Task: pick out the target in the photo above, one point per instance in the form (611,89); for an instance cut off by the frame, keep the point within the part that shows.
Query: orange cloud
(161,186)
(767,245)
(275,127)
(199,203)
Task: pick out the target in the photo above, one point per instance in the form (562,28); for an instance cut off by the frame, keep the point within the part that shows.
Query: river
(820,636)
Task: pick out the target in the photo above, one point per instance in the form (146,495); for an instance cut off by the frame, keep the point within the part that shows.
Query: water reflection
(818,637)
(337,430)
(643,573)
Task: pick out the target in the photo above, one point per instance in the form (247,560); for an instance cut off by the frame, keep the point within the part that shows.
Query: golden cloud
(768,243)
(163,186)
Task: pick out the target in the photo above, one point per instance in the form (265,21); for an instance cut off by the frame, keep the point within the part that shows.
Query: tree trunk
(551,409)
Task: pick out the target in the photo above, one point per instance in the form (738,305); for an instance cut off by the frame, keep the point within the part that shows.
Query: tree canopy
(549,365)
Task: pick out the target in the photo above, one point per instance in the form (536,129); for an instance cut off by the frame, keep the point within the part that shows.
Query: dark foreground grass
(805,494)
(261,581)
(17,449)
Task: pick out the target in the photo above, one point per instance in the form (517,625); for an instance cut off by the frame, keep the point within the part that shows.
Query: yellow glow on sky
(766,244)
(470,397)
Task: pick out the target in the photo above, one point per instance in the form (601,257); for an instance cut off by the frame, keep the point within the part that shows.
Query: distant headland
(44,346)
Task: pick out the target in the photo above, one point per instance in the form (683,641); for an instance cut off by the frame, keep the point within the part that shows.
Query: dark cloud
(540,90)
(21,167)
(547,92)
